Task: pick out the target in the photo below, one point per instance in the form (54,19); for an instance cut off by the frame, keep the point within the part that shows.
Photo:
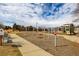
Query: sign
(55,33)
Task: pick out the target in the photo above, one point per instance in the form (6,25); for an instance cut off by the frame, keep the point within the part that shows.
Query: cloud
(45,14)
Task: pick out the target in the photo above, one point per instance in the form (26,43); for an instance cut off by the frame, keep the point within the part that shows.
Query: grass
(9,51)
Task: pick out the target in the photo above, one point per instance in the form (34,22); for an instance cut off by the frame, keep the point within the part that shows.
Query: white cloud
(28,14)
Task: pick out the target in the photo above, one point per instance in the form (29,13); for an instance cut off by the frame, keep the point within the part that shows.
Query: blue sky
(45,14)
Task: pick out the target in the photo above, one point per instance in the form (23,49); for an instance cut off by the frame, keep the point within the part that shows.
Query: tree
(30,28)
(7,27)
(18,27)
(14,27)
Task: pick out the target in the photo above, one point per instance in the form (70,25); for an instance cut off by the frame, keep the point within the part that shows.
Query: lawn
(9,51)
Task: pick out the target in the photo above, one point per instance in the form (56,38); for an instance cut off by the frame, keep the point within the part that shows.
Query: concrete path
(71,38)
(27,48)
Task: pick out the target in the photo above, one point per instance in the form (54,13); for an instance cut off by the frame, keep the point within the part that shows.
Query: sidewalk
(27,48)
(71,38)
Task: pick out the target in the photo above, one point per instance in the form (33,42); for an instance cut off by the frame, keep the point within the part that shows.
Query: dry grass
(9,51)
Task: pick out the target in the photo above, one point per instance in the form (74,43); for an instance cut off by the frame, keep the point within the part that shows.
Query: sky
(42,14)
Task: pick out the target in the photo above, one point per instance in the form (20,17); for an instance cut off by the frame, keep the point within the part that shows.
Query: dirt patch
(46,42)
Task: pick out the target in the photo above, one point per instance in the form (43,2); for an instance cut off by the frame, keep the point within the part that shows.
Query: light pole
(33,28)
(48,33)
(44,32)
(51,29)
(55,41)
(44,29)
(36,26)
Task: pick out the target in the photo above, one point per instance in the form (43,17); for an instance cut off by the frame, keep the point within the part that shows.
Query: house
(68,28)
(77,29)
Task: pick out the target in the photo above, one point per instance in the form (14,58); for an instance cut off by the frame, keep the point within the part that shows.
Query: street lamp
(55,41)
(36,26)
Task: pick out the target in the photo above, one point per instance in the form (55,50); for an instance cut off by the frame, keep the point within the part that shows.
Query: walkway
(27,48)
(71,38)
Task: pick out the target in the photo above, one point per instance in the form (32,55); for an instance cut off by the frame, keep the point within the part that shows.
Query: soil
(45,41)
